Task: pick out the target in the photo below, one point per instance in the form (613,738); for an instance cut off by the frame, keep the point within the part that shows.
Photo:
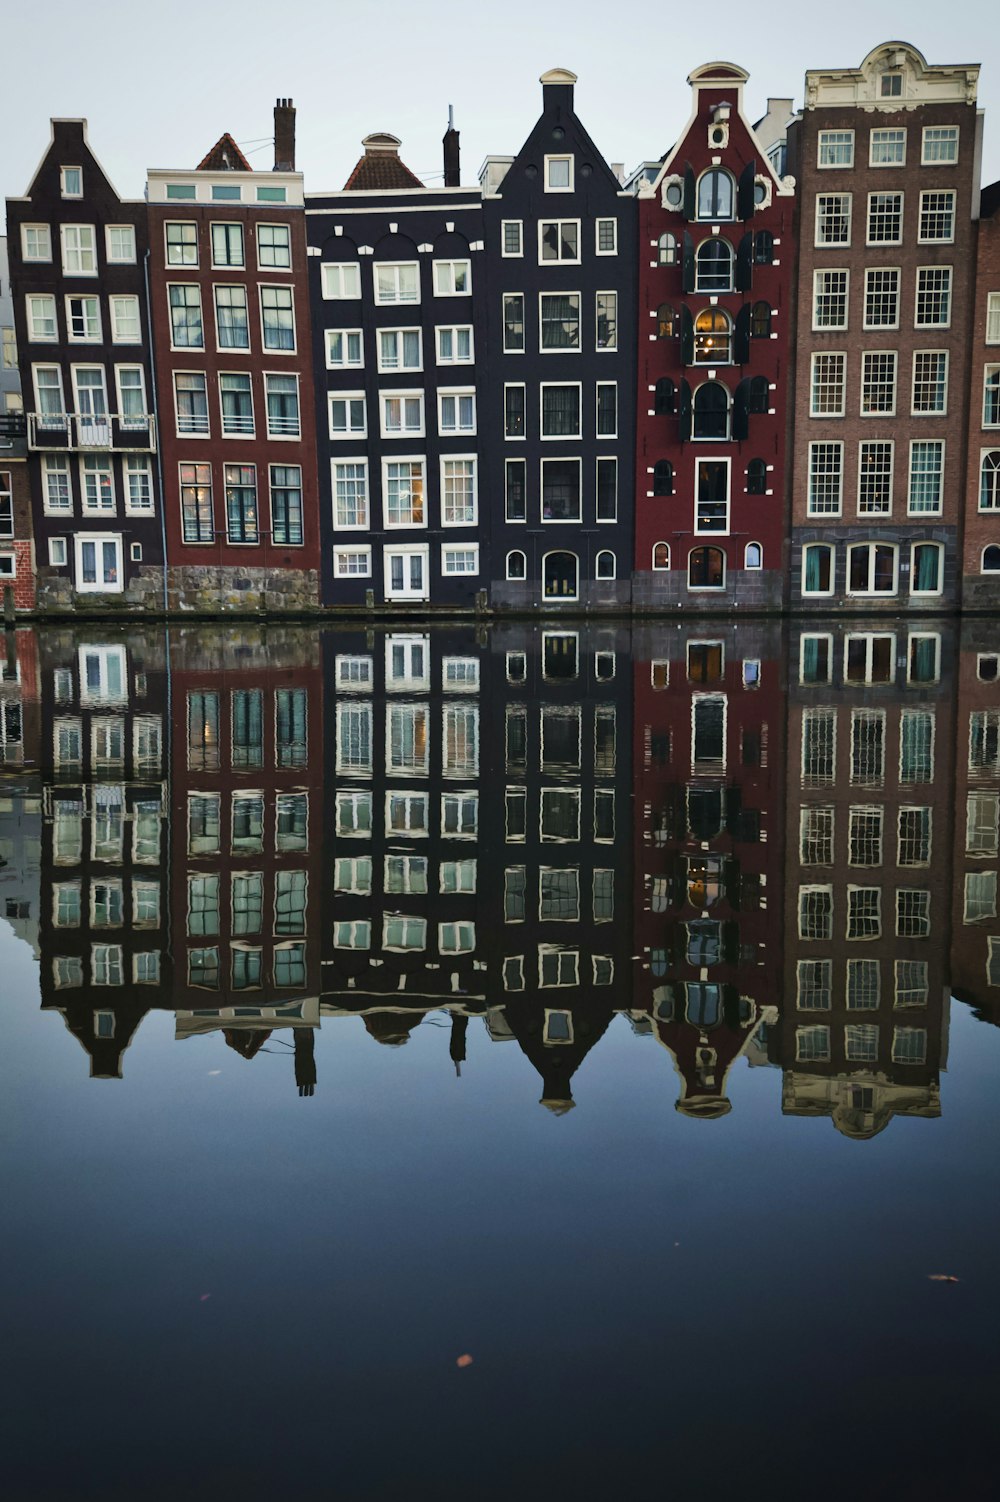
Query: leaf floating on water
(941,1278)
(464,1361)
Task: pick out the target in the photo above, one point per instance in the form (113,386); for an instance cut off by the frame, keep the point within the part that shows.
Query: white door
(92,409)
(99,564)
(406,573)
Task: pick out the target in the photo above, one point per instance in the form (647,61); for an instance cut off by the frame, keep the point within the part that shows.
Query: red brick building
(981,556)
(234,380)
(713,362)
(975,798)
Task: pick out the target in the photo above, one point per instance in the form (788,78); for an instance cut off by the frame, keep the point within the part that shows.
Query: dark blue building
(559,391)
(395,286)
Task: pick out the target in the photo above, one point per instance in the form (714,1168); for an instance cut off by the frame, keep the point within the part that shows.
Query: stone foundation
(200,589)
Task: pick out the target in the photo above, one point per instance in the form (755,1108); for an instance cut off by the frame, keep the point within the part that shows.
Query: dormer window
(558,174)
(891,86)
(71,182)
(716,193)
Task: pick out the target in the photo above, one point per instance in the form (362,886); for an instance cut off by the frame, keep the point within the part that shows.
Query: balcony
(13,432)
(69,432)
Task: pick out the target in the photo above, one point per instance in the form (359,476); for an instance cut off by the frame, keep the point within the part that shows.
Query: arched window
(763,247)
(713,338)
(989,481)
(663,477)
(661,556)
(560,576)
(991,559)
(925,568)
(707,568)
(756,477)
(757,394)
(711,411)
(713,270)
(991,399)
(753,555)
(760,320)
(605,565)
(716,194)
(666,250)
(517,567)
(666,321)
(665,397)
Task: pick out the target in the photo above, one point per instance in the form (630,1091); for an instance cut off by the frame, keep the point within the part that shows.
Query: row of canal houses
(763,841)
(760,372)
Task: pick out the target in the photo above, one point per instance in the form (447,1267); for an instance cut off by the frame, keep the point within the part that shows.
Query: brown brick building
(886,158)
(981,555)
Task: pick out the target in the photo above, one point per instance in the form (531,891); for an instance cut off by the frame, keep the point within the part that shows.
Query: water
(372,1000)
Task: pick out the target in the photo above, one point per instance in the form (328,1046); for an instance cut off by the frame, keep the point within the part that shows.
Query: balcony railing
(72,432)
(13,432)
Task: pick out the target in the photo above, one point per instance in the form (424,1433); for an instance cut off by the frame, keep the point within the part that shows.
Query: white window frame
(113,260)
(930,411)
(327,279)
(462,547)
(98,539)
(938,161)
(362,552)
(927,594)
(117,337)
(560,260)
(714,459)
(52,315)
(359,526)
(273,349)
(407,394)
(90,297)
(937,239)
(821,142)
(849,216)
(871,271)
(407,550)
(885,193)
(518,224)
(267,266)
(946,323)
(78,271)
(64,192)
(394,526)
(885,130)
(454,329)
(345,335)
(559,349)
(437,269)
(605,219)
(462,459)
(398,333)
(872,594)
(597,409)
(824,271)
(43,234)
(396,267)
(348,433)
(455,392)
(544,437)
(560,156)
(881,412)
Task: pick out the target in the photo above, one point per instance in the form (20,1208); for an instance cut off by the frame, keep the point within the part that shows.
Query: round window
(674,195)
(759,192)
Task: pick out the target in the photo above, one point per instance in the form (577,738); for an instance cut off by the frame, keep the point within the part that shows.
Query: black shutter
(741,336)
(744,263)
(730,943)
(685,412)
(741,424)
(677,887)
(688,191)
(734,802)
(731,882)
(744,197)
(687,263)
(687,336)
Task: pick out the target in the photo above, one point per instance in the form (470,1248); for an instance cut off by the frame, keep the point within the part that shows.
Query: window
(83,318)
(342,281)
(227,245)
(819,737)
(607,409)
(242,523)
(991,396)
(815,913)
(558,174)
(666,250)
(49,393)
(196,503)
(511,237)
(836,148)
(291,715)
(558,967)
(277,318)
(98,563)
(864,841)
(887,148)
(833,219)
(937,217)
(930,382)
(352,563)
(706,569)
(354,874)
(560,408)
(455,345)
(712,495)
(885,218)
(716,195)
(453,278)
(559,320)
(97,485)
(79,250)
(816,836)
(286,505)
(396,282)
(939,143)
(36,242)
(827,387)
(399,349)
(516,566)
(232,322)
(812,1044)
(513,396)
(826,465)
(458,492)
(913,914)
(891,85)
(916,750)
(274,246)
(403,491)
(186,329)
(131,395)
(914,837)
(871,569)
(663,477)
(605,565)
(356,934)
(282,396)
(191,402)
(42,327)
(882,298)
(516,504)
(561,490)
(712,338)
(982,824)
(460,560)
(926,568)
(354,813)
(560,576)
(456,411)
(607,237)
(236,400)
(711,411)
(864,990)
(760,320)
(607,490)
(559,240)
(925,480)
(348,418)
(814,985)
(993,318)
(878,383)
(714,266)
(911,983)
(864,912)
(753,556)
(182,244)
(933,297)
(875,478)
(460,815)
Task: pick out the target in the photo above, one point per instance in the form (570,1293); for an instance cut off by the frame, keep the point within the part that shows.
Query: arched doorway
(560,576)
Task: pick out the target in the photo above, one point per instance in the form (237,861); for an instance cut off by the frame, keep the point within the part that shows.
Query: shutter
(688,191)
(684,408)
(741,423)
(731,882)
(734,803)
(730,943)
(677,878)
(687,336)
(741,336)
(731,1007)
(744,196)
(744,263)
(687,263)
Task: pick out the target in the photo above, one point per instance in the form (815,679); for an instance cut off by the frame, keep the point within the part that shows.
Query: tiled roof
(380,167)
(225,156)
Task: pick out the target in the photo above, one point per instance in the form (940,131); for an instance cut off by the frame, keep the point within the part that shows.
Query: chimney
(618,168)
(450,143)
(284,135)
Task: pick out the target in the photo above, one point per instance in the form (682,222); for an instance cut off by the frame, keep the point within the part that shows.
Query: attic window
(227,192)
(558,174)
(891,85)
(71,182)
(272,195)
(181,190)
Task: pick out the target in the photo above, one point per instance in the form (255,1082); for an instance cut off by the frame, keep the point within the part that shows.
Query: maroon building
(981,558)
(714,328)
(234,380)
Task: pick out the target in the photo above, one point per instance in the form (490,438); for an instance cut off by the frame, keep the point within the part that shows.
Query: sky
(159,83)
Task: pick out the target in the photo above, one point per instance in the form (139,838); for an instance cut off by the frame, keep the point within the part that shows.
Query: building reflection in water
(759,841)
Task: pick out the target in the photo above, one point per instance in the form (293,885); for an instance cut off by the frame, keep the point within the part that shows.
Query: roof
(380,167)
(225,156)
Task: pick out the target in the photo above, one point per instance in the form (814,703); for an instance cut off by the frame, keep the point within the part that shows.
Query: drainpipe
(156,417)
